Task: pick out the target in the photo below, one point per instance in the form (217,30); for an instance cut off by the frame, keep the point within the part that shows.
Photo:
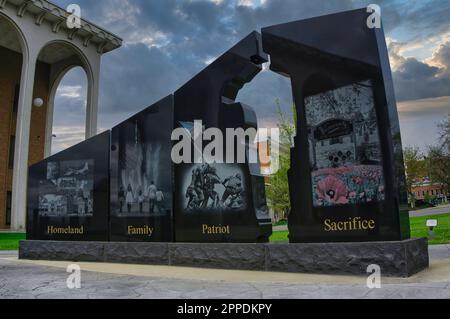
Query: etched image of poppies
(348,185)
(344,146)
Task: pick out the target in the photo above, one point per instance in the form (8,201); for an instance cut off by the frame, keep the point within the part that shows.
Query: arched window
(69,77)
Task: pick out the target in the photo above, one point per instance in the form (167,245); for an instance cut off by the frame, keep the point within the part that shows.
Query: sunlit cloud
(70,91)
(419,119)
(168,42)
(251,3)
(66,136)
(438,105)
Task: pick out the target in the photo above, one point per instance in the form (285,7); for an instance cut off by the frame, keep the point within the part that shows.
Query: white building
(37,48)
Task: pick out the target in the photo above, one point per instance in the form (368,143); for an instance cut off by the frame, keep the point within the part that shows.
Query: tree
(439,157)
(444,132)
(277,190)
(439,166)
(415,168)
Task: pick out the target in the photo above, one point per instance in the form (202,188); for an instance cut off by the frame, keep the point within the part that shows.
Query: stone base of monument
(396,258)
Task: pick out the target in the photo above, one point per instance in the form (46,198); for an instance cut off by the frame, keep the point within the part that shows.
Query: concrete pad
(439,251)
(439,271)
(47,279)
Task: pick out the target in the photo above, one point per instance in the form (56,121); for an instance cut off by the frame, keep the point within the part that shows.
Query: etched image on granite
(344,146)
(213,187)
(143,179)
(67,189)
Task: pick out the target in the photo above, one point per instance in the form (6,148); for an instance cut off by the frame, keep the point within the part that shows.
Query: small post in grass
(431,223)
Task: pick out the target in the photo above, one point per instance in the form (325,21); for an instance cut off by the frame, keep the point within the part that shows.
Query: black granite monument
(68,193)
(347,177)
(141,176)
(346,181)
(220,202)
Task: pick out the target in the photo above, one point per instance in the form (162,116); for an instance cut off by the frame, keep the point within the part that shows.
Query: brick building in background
(425,187)
(37,48)
(9,102)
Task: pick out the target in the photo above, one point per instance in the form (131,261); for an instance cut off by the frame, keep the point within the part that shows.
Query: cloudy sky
(166,42)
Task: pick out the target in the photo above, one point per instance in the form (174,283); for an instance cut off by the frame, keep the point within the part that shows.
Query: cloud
(167,42)
(251,3)
(69,114)
(396,50)
(137,76)
(65,137)
(264,94)
(414,79)
(423,114)
(431,106)
(69,91)
(441,57)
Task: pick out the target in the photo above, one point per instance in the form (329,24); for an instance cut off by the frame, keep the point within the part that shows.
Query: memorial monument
(68,193)
(141,191)
(347,182)
(347,179)
(221,202)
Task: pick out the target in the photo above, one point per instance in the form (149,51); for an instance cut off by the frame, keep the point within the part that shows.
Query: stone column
(20,173)
(49,119)
(49,123)
(93,75)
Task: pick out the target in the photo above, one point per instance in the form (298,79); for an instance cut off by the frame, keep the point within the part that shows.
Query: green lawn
(418,229)
(279,235)
(280,223)
(442,231)
(10,241)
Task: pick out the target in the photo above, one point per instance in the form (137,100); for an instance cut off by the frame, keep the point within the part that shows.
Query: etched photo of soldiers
(68,189)
(213,187)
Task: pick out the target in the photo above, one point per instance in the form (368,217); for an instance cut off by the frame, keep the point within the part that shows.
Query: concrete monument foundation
(395,258)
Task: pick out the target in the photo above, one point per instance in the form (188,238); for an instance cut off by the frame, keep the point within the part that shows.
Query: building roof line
(46,10)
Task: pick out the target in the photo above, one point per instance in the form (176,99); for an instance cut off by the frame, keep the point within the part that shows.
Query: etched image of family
(344,146)
(143,184)
(133,199)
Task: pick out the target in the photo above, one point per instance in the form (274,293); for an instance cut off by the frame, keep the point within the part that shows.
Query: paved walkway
(279,228)
(47,279)
(443,209)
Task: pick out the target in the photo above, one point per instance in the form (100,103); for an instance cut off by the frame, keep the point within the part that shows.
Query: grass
(442,231)
(418,229)
(281,235)
(10,241)
(280,223)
